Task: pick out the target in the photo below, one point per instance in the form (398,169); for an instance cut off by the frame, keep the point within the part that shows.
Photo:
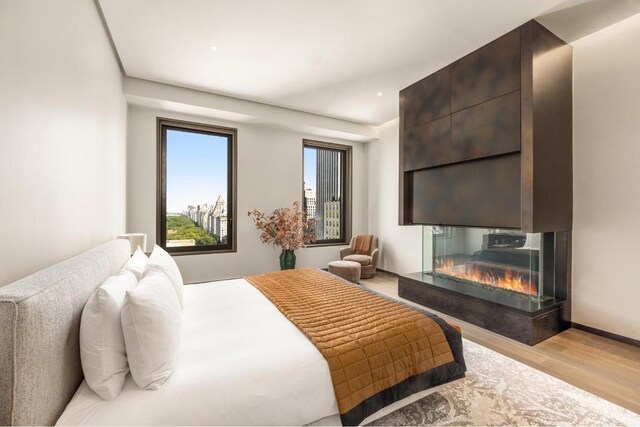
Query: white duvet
(241,362)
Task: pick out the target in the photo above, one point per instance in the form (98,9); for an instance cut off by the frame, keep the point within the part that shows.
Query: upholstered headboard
(40,366)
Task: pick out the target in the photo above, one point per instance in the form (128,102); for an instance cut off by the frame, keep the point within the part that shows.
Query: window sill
(207,252)
(321,245)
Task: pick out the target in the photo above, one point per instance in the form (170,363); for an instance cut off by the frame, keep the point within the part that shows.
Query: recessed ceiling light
(213,48)
(379,93)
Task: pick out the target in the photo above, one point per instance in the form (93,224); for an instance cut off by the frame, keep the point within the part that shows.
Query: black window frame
(346,181)
(164,124)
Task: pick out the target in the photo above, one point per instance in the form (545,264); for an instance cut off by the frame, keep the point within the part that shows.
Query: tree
(181,227)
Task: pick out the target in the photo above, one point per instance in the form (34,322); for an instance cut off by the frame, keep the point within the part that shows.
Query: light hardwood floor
(601,366)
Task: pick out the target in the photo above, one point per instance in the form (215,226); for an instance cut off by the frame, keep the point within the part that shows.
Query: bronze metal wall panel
(403,183)
(552,132)
(529,63)
(526,126)
(547,140)
(427,145)
(487,129)
(405,200)
(428,100)
(487,73)
(479,193)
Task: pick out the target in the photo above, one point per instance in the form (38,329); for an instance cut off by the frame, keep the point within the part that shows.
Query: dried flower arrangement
(286,228)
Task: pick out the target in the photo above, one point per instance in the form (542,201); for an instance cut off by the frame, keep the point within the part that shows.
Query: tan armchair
(367,261)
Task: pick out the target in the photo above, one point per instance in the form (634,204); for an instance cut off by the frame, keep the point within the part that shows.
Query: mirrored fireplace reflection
(505,261)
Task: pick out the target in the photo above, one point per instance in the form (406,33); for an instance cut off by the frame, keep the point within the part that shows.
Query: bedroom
(91,92)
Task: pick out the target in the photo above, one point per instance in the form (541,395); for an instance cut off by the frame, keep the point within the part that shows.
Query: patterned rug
(501,391)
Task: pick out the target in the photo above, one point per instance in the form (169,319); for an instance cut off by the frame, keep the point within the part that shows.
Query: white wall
(183,100)
(269,177)
(606,237)
(62,134)
(400,246)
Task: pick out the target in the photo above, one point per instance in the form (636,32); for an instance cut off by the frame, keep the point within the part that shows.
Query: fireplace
(508,281)
(487,142)
(497,260)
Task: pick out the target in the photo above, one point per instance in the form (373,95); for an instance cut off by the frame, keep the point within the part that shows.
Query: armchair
(368,259)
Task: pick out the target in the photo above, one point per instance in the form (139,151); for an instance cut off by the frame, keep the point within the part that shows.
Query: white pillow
(160,260)
(102,349)
(137,263)
(151,318)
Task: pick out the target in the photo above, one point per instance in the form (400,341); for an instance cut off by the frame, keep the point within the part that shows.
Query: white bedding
(241,362)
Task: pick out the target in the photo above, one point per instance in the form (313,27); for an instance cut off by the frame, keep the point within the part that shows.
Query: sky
(310,168)
(196,169)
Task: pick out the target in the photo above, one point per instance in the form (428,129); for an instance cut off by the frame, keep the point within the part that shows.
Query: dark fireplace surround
(501,283)
(486,158)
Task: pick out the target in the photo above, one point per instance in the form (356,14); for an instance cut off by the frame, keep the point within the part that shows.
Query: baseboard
(388,272)
(606,334)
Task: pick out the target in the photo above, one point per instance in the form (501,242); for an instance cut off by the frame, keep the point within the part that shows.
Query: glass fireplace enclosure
(509,262)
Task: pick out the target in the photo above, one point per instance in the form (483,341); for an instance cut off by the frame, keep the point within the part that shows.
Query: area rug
(501,391)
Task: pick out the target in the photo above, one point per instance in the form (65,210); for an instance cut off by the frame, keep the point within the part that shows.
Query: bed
(242,362)
(275,376)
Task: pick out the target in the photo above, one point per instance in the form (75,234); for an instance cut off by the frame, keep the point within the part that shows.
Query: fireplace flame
(508,280)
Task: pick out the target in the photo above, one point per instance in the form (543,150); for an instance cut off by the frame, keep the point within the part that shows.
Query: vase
(287,260)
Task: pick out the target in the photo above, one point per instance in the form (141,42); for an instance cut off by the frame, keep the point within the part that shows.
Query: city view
(323,187)
(196,188)
(200,225)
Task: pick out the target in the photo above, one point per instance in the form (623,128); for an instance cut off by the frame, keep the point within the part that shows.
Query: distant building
(212,218)
(310,203)
(327,184)
(332,219)
(220,228)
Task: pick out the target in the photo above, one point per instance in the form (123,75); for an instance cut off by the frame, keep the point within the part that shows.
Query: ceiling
(331,57)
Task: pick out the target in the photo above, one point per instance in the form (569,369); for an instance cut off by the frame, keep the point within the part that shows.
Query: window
(327,190)
(196,187)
